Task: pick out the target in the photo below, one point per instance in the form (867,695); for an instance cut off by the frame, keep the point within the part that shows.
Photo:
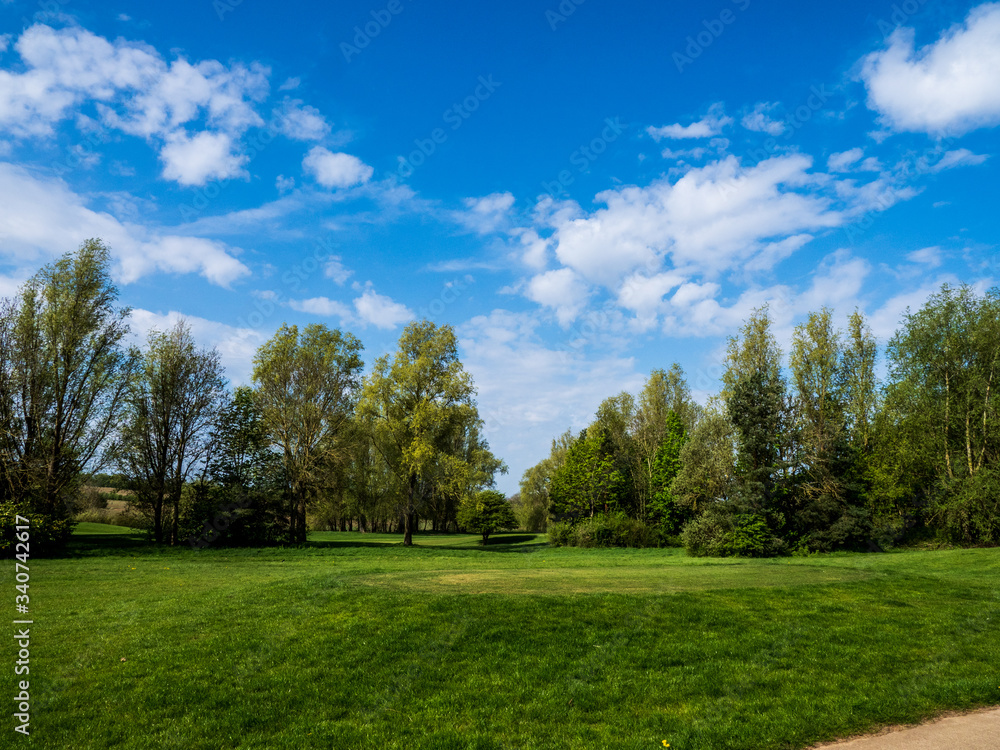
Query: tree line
(310,438)
(817,455)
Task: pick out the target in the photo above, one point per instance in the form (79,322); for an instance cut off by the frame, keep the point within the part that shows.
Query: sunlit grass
(356,642)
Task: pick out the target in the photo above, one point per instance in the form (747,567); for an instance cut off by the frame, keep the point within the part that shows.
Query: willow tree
(306,389)
(424,421)
(63,373)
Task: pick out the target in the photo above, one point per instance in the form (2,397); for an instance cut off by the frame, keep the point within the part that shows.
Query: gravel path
(979,730)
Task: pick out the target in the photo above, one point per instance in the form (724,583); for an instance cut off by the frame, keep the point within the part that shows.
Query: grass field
(356,642)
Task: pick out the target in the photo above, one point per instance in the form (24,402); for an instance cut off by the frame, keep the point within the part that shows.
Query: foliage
(63,371)
(172,403)
(664,511)
(305,390)
(606,530)
(424,422)
(723,531)
(486,513)
(47,534)
(707,462)
(532,509)
(589,481)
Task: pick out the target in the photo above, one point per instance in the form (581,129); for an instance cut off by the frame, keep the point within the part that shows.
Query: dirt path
(979,730)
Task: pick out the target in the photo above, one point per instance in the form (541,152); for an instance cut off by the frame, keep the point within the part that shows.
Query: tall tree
(589,481)
(707,462)
(941,403)
(754,391)
(665,392)
(306,388)
(173,402)
(422,408)
(63,373)
(532,509)
(664,509)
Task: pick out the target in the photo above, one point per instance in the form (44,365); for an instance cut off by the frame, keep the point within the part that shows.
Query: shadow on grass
(91,539)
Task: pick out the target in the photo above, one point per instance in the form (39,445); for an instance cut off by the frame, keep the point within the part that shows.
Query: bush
(723,532)
(606,530)
(968,509)
(560,533)
(45,535)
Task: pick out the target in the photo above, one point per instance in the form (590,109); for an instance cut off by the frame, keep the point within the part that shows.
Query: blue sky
(585,190)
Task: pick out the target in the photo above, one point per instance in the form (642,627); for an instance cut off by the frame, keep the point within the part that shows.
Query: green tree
(63,372)
(940,425)
(172,403)
(755,404)
(707,471)
(588,481)
(424,419)
(244,500)
(665,392)
(532,510)
(486,513)
(664,509)
(306,387)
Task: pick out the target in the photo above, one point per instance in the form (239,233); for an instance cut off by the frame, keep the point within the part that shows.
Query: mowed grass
(356,642)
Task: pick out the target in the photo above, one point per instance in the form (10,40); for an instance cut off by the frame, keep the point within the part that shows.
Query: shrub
(45,535)
(723,532)
(606,530)
(560,533)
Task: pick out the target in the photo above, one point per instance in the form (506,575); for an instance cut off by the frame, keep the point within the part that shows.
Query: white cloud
(486,214)
(530,392)
(712,219)
(196,160)
(562,290)
(301,122)
(381,311)
(336,270)
(843,161)
(928,256)
(323,306)
(335,170)
(237,345)
(43,219)
(760,121)
(644,295)
(948,87)
(290,84)
(959,158)
(137,92)
(711,124)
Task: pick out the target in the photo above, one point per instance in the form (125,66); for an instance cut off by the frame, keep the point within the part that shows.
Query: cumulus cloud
(192,111)
(322,306)
(961,157)
(843,161)
(948,87)
(236,345)
(486,214)
(43,219)
(710,220)
(562,291)
(335,170)
(759,120)
(194,160)
(381,311)
(301,122)
(711,124)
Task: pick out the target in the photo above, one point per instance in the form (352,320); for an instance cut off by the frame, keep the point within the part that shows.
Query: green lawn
(356,642)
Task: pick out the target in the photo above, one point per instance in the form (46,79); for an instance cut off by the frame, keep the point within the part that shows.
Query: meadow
(353,641)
